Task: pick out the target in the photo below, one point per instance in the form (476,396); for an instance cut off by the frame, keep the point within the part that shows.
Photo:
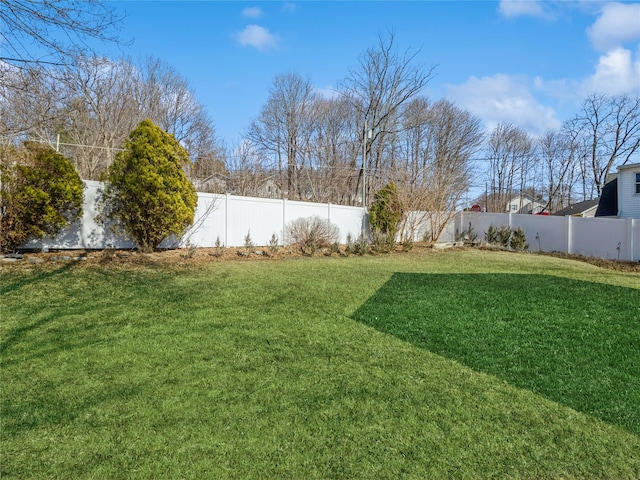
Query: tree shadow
(38,277)
(16,334)
(574,342)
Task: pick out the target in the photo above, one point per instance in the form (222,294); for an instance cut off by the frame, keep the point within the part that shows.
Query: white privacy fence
(225,217)
(231,218)
(611,238)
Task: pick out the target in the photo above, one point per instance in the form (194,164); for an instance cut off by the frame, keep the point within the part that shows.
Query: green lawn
(464,364)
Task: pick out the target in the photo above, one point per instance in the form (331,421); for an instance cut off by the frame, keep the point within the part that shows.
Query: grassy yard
(463,364)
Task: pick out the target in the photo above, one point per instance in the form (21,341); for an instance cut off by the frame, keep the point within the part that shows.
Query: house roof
(578,208)
(632,166)
(608,205)
(522,196)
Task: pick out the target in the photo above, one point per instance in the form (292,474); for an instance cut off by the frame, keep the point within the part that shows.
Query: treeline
(376,129)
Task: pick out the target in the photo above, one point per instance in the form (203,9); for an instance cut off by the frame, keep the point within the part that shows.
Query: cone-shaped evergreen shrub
(40,194)
(148,194)
(385,216)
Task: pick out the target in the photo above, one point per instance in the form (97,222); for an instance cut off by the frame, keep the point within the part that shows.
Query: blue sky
(529,63)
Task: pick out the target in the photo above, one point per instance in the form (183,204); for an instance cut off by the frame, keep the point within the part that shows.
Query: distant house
(581,209)
(216,183)
(621,195)
(629,191)
(524,204)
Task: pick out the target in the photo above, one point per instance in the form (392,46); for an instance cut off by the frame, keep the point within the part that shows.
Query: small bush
(519,240)
(312,233)
(383,243)
(407,245)
(504,236)
(491,235)
(273,244)
(190,249)
(507,237)
(360,246)
(348,248)
(469,236)
(386,211)
(385,216)
(248,242)
(218,248)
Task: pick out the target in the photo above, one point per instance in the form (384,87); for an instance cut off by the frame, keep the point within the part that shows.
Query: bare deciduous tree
(102,108)
(441,141)
(510,152)
(54,32)
(248,175)
(90,109)
(283,127)
(382,83)
(332,170)
(559,155)
(609,129)
(29,103)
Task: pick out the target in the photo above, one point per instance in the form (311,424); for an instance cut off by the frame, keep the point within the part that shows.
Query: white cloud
(619,23)
(257,37)
(504,99)
(289,7)
(328,92)
(519,8)
(617,73)
(252,12)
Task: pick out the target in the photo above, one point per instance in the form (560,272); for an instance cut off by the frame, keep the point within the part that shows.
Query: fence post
(226,220)
(630,239)
(568,233)
(284,220)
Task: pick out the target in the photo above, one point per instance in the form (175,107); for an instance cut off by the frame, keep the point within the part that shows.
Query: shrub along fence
(231,218)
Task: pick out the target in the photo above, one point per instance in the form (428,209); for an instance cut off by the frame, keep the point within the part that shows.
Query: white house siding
(628,199)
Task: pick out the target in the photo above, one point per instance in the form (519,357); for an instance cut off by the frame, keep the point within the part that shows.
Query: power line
(90,146)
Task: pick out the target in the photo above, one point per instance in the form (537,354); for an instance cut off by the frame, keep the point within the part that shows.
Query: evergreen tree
(386,211)
(40,194)
(148,194)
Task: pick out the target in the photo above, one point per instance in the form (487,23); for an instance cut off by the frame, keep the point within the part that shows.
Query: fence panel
(209,222)
(259,217)
(349,220)
(599,237)
(544,233)
(480,221)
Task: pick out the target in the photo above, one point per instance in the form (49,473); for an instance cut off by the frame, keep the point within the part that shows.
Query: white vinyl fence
(225,217)
(231,218)
(611,238)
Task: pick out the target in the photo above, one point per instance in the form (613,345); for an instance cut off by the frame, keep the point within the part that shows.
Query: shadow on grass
(39,277)
(574,342)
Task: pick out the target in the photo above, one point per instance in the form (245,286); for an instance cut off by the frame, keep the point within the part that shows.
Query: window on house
(637,182)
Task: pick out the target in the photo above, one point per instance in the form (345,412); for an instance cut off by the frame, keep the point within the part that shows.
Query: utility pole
(367,136)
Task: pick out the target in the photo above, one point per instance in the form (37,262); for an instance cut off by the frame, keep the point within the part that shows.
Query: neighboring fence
(230,218)
(611,238)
